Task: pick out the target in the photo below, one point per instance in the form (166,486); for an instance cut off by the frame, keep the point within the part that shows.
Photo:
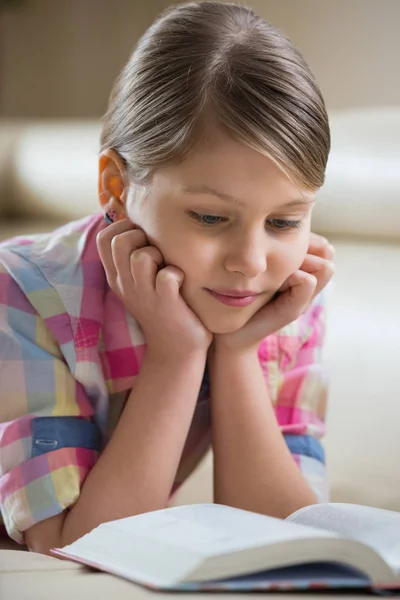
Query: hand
(150,291)
(292,299)
(318,261)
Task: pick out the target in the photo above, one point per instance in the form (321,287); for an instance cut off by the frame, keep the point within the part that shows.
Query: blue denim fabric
(307,445)
(53,433)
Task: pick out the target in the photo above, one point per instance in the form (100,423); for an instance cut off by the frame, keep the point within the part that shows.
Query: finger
(123,246)
(285,286)
(288,305)
(323,270)
(320,246)
(301,288)
(103,242)
(105,236)
(144,265)
(169,282)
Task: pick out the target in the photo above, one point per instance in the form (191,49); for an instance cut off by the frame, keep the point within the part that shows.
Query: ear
(112,181)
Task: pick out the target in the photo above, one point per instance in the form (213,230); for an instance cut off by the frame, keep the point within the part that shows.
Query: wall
(352,46)
(58,58)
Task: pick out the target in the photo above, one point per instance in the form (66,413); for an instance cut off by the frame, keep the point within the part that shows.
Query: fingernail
(332,248)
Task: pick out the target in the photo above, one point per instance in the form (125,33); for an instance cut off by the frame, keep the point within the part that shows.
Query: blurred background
(58,59)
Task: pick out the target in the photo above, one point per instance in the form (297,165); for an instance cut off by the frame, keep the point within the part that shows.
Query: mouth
(234,297)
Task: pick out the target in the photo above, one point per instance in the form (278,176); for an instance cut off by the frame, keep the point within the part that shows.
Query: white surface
(363,351)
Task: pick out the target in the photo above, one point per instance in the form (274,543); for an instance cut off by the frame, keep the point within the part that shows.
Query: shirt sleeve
(48,437)
(299,382)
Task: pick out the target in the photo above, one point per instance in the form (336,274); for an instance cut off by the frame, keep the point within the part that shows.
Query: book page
(211,529)
(378,528)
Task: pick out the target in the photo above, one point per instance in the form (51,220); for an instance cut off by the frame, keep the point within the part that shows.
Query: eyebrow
(204,189)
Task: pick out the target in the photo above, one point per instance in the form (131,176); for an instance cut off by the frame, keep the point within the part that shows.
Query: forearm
(135,472)
(253,468)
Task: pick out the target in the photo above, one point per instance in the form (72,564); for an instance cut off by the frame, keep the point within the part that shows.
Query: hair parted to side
(209,64)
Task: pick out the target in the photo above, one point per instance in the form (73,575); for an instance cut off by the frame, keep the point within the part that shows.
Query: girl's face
(232,222)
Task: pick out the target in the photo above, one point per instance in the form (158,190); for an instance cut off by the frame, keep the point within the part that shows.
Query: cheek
(184,252)
(179,246)
(287,258)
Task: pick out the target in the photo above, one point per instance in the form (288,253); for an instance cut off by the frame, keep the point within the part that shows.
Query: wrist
(171,358)
(219,349)
(228,360)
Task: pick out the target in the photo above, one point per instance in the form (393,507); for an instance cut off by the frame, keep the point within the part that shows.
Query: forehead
(231,168)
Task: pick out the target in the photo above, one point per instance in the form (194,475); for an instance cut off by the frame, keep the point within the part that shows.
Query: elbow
(44,536)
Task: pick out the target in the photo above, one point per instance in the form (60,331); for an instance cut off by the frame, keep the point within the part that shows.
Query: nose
(248,255)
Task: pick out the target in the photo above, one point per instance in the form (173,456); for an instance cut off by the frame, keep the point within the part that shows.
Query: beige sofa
(48,176)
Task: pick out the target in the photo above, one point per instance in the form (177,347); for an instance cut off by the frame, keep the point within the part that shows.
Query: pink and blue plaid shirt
(69,355)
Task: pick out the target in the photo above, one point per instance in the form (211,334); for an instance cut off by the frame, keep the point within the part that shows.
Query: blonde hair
(209,64)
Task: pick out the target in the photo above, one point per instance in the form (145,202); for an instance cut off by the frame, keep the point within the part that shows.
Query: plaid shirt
(69,355)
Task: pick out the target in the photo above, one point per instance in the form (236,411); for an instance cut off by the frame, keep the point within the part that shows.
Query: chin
(219,319)
(226,325)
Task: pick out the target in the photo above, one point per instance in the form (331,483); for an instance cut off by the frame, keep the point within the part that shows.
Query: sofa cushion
(55,169)
(362,190)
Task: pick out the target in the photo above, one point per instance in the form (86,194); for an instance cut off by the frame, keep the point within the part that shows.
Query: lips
(234,297)
(236,293)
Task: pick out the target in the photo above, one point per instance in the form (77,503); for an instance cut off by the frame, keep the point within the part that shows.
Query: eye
(206,219)
(283,224)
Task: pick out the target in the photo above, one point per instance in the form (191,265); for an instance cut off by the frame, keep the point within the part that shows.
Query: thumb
(169,281)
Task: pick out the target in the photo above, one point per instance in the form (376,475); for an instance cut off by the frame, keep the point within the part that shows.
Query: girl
(192,313)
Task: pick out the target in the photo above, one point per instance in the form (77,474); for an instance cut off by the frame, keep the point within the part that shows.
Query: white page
(378,528)
(210,529)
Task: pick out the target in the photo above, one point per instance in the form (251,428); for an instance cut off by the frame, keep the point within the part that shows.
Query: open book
(216,547)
